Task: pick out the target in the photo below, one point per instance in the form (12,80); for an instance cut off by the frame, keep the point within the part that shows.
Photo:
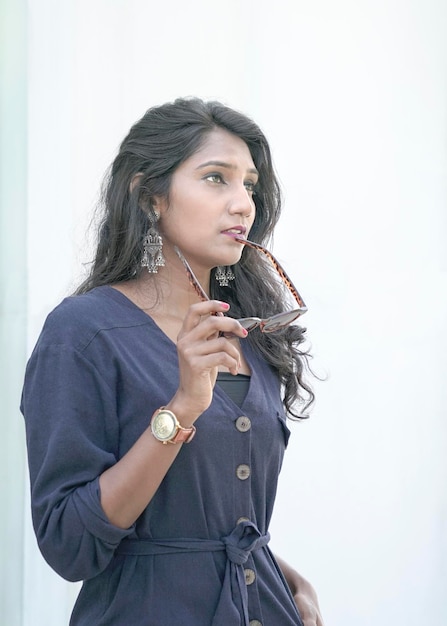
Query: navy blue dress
(198,555)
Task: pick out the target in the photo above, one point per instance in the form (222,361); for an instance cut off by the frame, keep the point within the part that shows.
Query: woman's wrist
(184,412)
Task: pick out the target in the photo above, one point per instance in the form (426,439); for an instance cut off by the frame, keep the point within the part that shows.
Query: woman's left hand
(307,603)
(304,595)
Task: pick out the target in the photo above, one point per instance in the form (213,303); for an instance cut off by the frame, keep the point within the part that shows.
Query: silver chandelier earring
(153,249)
(224,275)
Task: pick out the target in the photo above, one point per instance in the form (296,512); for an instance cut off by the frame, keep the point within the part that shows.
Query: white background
(352,95)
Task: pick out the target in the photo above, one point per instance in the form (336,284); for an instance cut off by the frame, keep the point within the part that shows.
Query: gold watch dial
(164,426)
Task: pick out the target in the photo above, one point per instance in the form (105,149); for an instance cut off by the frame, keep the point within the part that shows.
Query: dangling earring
(224,275)
(152,249)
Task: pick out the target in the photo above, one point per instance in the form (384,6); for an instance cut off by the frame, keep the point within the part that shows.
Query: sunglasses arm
(281,271)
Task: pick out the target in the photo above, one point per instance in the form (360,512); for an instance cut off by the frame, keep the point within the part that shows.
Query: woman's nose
(242,201)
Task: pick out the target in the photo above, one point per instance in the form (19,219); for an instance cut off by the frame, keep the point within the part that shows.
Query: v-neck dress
(198,555)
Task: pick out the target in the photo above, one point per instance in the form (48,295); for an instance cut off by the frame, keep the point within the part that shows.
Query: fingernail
(245,332)
(225,305)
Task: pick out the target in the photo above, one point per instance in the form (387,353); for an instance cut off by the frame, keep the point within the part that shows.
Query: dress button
(254,622)
(249,576)
(243,471)
(243,424)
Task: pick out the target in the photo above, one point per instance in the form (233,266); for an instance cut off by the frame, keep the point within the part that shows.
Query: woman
(156,420)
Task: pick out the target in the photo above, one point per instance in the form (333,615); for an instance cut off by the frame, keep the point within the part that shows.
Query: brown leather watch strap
(183,435)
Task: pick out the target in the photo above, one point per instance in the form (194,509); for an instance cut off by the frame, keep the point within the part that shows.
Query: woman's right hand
(202,349)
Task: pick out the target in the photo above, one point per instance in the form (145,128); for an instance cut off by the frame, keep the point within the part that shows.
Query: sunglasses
(270,324)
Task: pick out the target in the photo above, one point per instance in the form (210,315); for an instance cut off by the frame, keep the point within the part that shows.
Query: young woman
(155,411)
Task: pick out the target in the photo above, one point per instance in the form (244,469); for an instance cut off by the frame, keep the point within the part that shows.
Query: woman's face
(210,201)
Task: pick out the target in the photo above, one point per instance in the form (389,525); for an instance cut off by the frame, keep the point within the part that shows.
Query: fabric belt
(232,608)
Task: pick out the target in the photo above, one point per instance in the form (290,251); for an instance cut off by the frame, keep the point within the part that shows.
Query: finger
(319,620)
(227,353)
(224,327)
(204,364)
(223,351)
(208,326)
(201,309)
(307,610)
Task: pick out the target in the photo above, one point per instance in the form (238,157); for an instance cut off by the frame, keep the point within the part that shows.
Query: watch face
(163,426)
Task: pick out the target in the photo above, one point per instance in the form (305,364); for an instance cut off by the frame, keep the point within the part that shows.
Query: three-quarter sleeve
(72,434)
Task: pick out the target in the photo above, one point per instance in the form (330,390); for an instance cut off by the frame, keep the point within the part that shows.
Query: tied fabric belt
(232,608)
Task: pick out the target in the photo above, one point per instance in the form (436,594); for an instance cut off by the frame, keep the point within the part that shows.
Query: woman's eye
(215,178)
(250,187)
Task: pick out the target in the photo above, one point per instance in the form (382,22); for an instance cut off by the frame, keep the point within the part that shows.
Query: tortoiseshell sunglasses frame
(249,323)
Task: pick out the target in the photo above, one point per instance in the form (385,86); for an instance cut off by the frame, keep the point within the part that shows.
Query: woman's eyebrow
(229,166)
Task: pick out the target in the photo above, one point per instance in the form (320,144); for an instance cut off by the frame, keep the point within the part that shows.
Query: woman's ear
(136,179)
(158,205)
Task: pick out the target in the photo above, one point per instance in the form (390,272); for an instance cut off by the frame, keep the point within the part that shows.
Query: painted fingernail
(225,305)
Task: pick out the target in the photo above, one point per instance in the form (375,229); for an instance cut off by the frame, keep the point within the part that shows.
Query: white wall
(353,97)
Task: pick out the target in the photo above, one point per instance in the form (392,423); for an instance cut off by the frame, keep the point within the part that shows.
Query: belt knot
(244,538)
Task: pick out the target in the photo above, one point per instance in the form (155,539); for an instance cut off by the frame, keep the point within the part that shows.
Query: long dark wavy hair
(156,145)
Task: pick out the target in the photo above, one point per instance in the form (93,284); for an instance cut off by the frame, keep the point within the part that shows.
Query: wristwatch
(166,428)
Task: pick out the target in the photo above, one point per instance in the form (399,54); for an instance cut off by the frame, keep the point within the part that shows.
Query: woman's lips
(237,231)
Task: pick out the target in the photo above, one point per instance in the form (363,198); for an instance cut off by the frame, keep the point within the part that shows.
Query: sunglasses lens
(272,323)
(249,323)
(279,321)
